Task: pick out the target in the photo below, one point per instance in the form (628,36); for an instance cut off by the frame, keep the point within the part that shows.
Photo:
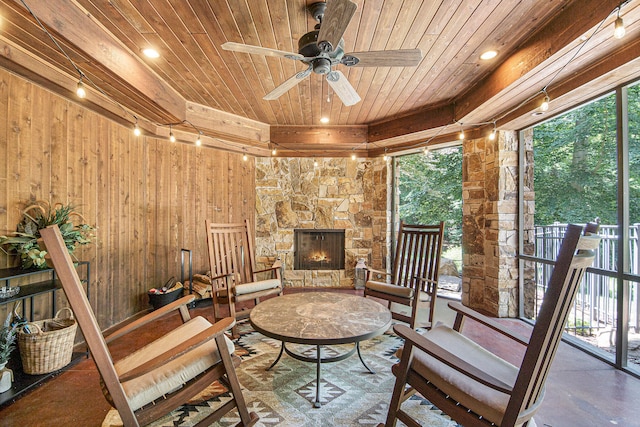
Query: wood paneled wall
(147,197)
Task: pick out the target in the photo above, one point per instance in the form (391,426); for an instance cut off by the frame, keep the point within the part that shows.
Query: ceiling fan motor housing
(307,44)
(321,61)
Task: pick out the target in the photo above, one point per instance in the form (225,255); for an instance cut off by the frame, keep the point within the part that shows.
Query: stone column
(490,218)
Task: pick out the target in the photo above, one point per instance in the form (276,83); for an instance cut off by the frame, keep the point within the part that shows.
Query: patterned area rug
(284,396)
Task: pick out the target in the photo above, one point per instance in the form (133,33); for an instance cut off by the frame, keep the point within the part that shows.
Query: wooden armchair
(414,279)
(472,385)
(159,377)
(233,269)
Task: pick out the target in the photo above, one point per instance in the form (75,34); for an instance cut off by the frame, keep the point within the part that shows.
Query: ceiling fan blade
(287,84)
(343,88)
(383,58)
(336,18)
(258,50)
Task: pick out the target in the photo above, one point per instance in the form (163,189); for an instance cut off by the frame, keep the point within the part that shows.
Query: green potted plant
(8,334)
(37,216)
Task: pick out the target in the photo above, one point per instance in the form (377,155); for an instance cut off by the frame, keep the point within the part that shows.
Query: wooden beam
(409,127)
(623,60)
(315,137)
(227,125)
(21,62)
(565,28)
(80,29)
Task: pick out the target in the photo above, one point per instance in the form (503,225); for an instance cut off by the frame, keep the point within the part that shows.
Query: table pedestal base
(318,360)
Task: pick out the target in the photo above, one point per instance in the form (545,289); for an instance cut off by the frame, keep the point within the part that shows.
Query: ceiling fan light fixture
(489,54)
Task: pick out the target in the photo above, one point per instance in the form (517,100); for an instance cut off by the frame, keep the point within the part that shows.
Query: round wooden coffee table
(320,319)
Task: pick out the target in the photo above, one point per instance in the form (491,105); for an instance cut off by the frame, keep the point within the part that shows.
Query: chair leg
(216,309)
(399,391)
(232,313)
(246,419)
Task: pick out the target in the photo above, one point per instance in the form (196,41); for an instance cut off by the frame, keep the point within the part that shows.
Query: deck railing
(595,307)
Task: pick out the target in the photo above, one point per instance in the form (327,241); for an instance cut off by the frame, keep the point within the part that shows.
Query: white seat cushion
(475,396)
(262,285)
(172,375)
(390,289)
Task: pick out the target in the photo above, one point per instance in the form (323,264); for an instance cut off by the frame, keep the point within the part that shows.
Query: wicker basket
(49,345)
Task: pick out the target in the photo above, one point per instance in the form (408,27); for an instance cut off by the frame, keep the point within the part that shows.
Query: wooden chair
(233,269)
(414,279)
(472,385)
(159,377)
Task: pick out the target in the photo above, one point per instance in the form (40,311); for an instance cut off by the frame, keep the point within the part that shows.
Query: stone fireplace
(339,193)
(318,249)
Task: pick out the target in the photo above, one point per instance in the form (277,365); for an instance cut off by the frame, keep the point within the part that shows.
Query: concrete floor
(581,390)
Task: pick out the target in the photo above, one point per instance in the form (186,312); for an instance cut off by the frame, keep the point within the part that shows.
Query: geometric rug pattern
(284,395)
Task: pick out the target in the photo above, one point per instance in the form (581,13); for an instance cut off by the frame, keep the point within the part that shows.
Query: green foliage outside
(430,187)
(575,173)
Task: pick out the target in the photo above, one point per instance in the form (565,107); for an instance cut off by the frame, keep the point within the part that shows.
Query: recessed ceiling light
(490,54)
(150,53)
(324,120)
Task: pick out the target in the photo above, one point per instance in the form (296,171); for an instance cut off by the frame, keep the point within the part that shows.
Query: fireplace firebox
(318,249)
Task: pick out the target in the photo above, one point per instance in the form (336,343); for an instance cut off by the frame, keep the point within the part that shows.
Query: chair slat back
(575,256)
(418,255)
(58,254)
(232,251)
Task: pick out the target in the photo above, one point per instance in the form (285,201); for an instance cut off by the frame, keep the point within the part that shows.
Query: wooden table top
(320,318)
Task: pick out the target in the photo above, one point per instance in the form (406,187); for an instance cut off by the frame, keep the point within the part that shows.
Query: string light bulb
(425,150)
(353,155)
(492,135)
(618,27)
(80,90)
(273,152)
(244,157)
(545,103)
(461,134)
(386,156)
(315,163)
(172,137)
(199,140)
(136,130)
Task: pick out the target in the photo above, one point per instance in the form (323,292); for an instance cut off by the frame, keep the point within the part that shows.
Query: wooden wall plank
(4,161)
(147,197)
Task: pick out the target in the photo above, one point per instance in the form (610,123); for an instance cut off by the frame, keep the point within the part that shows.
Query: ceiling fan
(323,48)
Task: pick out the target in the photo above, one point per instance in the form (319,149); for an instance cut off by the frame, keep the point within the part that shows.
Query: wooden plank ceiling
(559,44)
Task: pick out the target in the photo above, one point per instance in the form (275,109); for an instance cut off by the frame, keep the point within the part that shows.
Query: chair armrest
(372,270)
(424,279)
(212,332)
(220,276)
(265,270)
(462,311)
(412,338)
(156,314)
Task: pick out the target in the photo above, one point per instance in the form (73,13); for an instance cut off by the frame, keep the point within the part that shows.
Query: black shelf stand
(24,382)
